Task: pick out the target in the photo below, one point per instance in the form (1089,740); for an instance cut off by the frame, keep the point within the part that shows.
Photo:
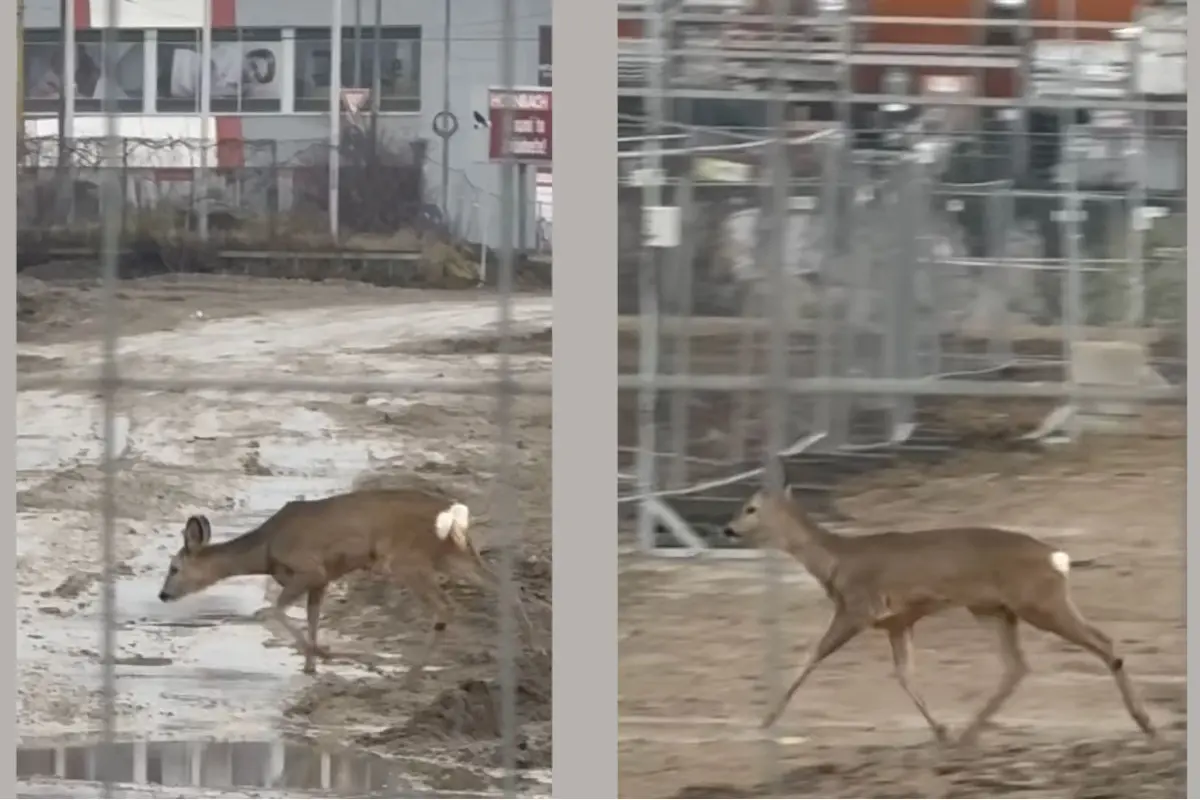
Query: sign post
(527,140)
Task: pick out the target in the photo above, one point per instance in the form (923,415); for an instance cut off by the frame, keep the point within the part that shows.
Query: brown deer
(890,581)
(407,534)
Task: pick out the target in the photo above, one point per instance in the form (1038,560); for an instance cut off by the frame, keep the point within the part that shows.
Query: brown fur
(890,581)
(308,544)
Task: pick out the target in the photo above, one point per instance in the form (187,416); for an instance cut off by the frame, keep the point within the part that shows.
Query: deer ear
(196,533)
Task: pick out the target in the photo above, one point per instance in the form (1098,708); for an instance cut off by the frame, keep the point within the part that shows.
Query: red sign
(530,113)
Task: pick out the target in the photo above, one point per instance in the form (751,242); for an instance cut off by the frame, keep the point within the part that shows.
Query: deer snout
(730,533)
(164,597)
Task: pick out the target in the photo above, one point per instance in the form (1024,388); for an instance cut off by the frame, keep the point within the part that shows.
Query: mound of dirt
(471,710)
(1116,767)
(41,306)
(532,343)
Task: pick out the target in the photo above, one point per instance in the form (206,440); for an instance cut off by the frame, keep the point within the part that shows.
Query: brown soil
(455,711)
(56,308)
(693,647)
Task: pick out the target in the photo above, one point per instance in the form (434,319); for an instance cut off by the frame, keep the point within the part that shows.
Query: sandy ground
(205,667)
(693,648)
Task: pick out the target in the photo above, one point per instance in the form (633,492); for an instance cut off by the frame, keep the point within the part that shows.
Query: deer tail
(453,523)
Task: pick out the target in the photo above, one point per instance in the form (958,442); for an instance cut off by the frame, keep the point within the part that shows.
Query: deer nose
(163,596)
(730,532)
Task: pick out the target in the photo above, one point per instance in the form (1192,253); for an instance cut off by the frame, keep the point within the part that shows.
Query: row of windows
(249,69)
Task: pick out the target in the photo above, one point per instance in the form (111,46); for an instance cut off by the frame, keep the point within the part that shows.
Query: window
(178,71)
(246,70)
(126,85)
(43,71)
(399,77)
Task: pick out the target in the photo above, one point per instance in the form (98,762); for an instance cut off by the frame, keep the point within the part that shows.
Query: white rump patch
(1060,561)
(453,522)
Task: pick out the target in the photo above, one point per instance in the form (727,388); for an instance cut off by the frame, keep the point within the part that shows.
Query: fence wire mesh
(136,188)
(837,289)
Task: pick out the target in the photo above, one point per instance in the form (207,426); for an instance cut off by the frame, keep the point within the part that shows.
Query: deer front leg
(842,628)
(313,608)
(290,594)
(900,639)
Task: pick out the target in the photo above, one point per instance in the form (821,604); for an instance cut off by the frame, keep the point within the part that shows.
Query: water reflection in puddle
(279,766)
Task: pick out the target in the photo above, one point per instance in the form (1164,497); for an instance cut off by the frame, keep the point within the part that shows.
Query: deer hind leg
(435,599)
(1059,616)
(1015,667)
(902,658)
(842,628)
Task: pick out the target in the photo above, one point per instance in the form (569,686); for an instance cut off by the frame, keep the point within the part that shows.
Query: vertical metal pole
(1136,220)
(522,206)
(65,193)
(376,77)
(777,373)
(505,502)
(108,392)
(684,265)
(20,81)
(358,45)
(335,116)
(205,114)
(446,108)
(1072,289)
(648,281)
(828,203)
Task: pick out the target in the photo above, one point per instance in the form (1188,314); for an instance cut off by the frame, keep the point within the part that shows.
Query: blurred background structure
(975,188)
(250,157)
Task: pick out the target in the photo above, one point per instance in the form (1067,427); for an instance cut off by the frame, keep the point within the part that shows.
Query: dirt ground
(693,648)
(454,714)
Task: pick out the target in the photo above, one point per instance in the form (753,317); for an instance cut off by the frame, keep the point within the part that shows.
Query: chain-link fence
(847,299)
(106,192)
(893,270)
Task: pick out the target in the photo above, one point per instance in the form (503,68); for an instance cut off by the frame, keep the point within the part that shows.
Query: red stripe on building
(231,146)
(83,14)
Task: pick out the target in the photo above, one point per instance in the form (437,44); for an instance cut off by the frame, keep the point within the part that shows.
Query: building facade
(271,78)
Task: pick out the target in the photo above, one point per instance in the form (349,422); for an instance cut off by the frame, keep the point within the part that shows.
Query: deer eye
(751,509)
(172,569)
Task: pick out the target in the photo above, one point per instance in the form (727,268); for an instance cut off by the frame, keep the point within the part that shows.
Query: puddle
(280,766)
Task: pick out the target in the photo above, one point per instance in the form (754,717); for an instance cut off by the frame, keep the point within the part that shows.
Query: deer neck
(812,544)
(239,556)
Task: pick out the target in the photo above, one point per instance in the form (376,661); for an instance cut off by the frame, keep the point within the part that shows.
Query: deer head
(188,572)
(757,521)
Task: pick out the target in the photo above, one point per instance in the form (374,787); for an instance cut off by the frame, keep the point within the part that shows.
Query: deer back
(948,567)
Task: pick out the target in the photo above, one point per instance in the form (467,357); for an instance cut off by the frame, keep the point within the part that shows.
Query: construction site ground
(207,667)
(694,644)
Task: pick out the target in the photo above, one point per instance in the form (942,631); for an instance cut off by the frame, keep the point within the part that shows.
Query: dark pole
(376,78)
(62,182)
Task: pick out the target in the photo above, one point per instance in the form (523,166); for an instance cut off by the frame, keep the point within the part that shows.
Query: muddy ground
(693,647)
(441,442)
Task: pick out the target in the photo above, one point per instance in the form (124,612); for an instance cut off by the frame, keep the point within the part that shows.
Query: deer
(889,581)
(410,535)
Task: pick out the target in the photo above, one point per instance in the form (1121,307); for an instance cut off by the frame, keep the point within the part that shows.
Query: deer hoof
(310,667)
(941,734)
(321,651)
